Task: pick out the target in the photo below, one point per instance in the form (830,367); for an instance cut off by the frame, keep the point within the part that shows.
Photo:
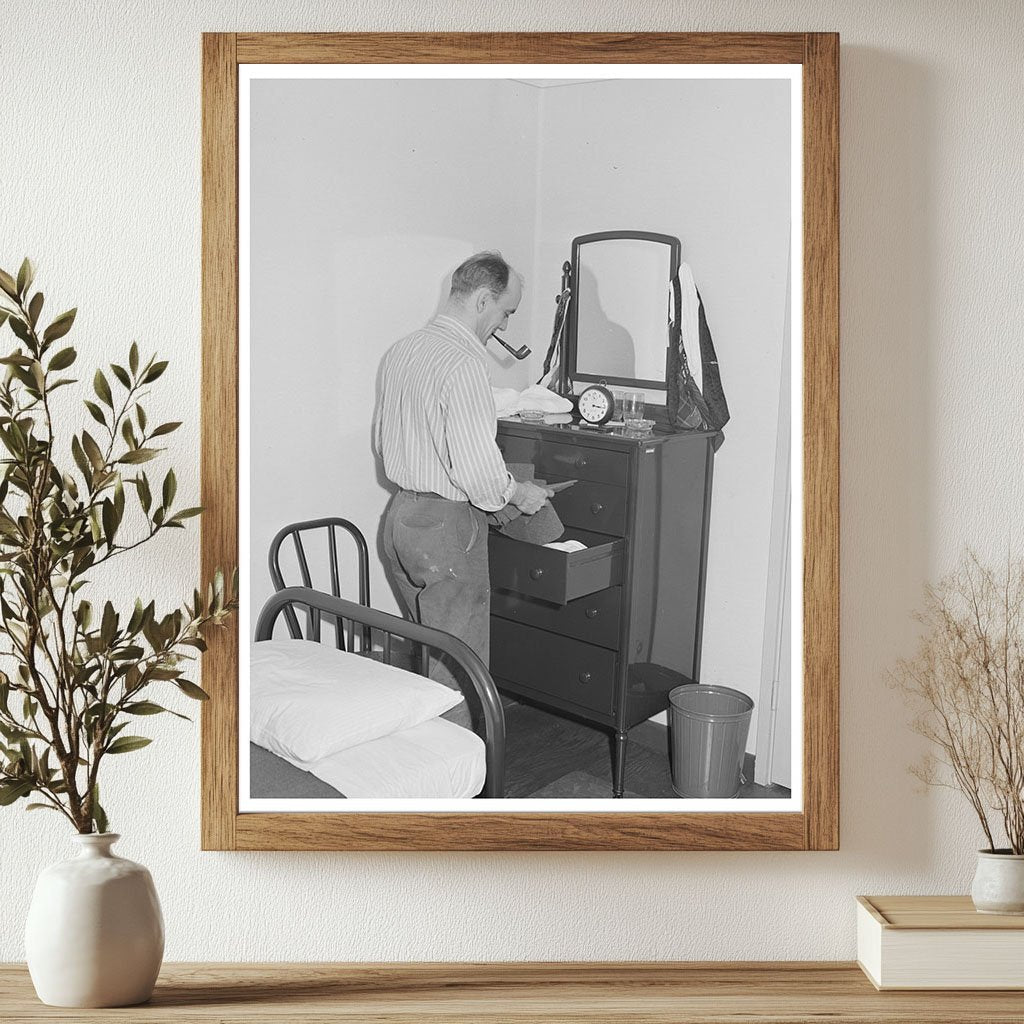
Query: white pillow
(308,701)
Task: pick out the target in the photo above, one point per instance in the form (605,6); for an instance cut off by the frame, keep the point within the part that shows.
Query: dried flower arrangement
(967,682)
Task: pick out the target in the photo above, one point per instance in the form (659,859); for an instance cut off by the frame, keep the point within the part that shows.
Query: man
(435,430)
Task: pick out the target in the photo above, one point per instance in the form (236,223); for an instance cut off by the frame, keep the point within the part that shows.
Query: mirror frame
(816,826)
(572,333)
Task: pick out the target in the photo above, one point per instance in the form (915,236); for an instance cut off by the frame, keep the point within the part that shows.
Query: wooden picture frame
(816,826)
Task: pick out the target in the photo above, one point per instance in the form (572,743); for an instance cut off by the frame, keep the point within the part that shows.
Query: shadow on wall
(888,288)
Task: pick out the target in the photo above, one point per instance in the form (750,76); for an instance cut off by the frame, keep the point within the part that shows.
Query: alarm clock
(596,404)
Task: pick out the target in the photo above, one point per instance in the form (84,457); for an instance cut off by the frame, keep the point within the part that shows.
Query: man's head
(486,290)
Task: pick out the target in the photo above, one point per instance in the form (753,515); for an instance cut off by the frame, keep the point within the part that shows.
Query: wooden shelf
(661,993)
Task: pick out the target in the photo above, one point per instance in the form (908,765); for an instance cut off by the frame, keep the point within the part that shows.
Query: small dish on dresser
(532,415)
(638,428)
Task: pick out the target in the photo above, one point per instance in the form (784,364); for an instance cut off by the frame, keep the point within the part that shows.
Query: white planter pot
(95,934)
(999,883)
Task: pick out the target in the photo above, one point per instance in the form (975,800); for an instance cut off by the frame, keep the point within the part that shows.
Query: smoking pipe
(520,353)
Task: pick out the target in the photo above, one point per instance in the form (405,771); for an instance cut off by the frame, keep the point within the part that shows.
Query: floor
(552,756)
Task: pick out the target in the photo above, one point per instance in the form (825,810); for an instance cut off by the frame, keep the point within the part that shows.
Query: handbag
(691,407)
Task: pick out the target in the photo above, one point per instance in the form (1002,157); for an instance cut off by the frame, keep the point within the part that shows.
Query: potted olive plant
(78,671)
(967,683)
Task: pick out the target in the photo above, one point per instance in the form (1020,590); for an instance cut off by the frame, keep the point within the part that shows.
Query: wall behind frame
(103,188)
(369,191)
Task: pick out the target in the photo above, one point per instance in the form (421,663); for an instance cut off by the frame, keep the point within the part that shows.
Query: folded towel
(505,401)
(508,401)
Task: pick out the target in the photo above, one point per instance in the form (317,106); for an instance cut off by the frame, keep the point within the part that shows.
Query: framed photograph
(521,421)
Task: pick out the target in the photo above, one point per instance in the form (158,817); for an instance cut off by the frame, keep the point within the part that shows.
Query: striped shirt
(435,422)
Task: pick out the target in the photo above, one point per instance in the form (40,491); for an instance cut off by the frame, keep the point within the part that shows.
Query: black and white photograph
(520,502)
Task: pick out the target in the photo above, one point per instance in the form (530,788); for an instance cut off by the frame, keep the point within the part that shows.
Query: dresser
(603,634)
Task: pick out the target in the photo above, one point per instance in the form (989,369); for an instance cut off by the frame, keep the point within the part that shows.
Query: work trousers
(436,552)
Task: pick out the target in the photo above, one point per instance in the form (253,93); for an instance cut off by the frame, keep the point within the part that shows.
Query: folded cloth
(508,401)
(540,528)
(567,545)
(505,401)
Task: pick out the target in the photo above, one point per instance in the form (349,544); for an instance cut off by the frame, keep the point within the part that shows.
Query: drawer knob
(591,613)
(580,461)
(597,508)
(584,677)
(535,574)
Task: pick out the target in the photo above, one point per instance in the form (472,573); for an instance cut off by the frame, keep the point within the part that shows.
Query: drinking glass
(632,408)
(617,413)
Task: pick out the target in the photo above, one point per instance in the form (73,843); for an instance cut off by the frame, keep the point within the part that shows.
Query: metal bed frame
(330,525)
(369,620)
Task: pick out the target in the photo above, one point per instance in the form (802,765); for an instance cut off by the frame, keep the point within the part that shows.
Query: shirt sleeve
(476,466)
(377,423)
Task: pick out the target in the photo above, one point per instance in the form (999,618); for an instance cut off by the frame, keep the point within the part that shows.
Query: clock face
(596,404)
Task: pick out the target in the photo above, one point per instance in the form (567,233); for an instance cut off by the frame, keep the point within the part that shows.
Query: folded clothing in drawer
(547,574)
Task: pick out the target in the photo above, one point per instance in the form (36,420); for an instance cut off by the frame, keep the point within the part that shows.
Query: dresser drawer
(518,449)
(593,506)
(577,462)
(547,665)
(593,619)
(551,575)
(557,460)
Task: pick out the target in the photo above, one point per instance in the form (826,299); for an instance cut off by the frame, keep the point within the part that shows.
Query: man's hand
(528,497)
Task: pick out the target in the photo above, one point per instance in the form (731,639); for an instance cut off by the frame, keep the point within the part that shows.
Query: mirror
(618,324)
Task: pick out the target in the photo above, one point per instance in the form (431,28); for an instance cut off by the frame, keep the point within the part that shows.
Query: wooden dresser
(604,634)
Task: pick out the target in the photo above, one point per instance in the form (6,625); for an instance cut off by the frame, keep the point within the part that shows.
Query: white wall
(103,189)
(706,161)
(350,254)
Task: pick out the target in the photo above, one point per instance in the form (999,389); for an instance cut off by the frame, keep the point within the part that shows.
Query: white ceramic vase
(95,934)
(999,883)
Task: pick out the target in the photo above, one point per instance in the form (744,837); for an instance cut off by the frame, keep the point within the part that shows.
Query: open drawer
(547,574)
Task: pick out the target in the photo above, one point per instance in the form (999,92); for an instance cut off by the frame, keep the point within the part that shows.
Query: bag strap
(714,393)
(556,347)
(672,363)
(557,331)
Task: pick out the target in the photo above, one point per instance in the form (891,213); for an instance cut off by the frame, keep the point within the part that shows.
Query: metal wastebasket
(708,728)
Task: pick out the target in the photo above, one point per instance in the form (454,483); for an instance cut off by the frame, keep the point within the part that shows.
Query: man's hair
(482,270)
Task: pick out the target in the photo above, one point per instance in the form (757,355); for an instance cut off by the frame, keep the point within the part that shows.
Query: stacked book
(938,942)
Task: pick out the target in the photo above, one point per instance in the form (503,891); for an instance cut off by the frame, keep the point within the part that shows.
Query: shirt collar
(462,333)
